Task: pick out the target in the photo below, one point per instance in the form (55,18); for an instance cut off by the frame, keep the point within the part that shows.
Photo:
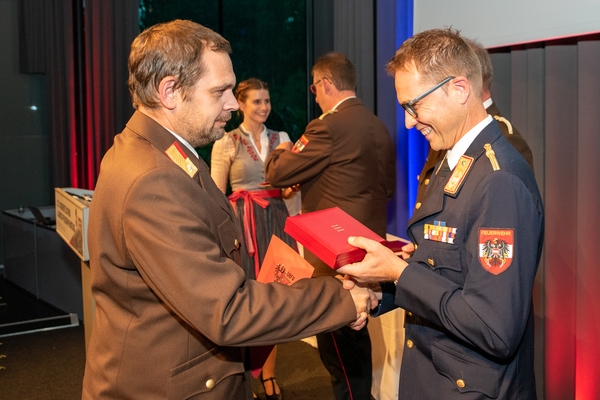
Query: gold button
(236,243)
(416,246)
(210,384)
(431,262)
(409,313)
(460,383)
(409,344)
(418,205)
(426,182)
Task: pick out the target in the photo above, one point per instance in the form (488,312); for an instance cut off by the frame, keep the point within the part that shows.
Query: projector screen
(508,22)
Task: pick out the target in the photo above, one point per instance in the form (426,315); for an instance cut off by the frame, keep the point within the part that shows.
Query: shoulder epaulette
(492,156)
(506,122)
(327,113)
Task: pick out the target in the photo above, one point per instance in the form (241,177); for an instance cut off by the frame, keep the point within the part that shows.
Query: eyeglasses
(313,87)
(408,107)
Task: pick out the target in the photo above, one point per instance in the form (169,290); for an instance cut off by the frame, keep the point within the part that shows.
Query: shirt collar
(336,106)
(185,143)
(488,103)
(263,134)
(464,142)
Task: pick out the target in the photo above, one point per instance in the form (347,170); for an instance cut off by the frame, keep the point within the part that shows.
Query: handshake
(366,297)
(362,278)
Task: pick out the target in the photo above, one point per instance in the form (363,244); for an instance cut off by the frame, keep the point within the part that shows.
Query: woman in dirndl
(238,158)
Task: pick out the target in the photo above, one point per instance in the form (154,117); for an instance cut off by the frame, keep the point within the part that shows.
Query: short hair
(487,69)
(437,54)
(242,89)
(338,69)
(169,49)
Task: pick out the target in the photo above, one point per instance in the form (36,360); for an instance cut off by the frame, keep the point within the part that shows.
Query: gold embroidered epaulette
(327,113)
(506,122)
(178,156)
(492,156)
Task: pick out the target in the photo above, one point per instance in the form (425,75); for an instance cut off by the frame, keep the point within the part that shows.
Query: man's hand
(407,250)
(362,310)
(289,192)
(379,265)
(362,299)
(360,322)
(374,290)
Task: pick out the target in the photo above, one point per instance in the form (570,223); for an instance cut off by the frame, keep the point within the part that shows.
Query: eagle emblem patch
(300,144)
(496,247)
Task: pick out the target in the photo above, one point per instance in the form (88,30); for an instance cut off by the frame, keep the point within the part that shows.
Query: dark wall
(24,147)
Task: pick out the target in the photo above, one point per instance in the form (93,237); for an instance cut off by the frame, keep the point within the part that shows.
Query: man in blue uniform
(478,234)
(509,131)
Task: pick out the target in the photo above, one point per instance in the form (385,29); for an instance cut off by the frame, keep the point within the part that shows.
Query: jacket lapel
(433,201)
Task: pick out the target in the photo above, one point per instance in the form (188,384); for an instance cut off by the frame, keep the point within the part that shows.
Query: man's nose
(231,104)
(409,120)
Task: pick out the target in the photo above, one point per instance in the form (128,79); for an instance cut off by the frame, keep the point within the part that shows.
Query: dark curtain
(552,90)
(83,51)
(110,26)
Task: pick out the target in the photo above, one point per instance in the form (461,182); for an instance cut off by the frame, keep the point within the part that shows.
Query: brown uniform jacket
(173,309)
(346,159)
(508,131)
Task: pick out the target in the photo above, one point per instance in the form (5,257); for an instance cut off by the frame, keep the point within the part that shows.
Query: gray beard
(205,137)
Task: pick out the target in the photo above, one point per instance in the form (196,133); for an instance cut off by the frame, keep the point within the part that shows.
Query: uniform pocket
(438,255)
(468,371)
(203,374)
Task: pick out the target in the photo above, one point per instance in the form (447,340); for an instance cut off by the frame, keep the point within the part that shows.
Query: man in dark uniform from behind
(508,130)
(345,158)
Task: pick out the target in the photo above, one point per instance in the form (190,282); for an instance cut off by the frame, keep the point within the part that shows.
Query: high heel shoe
(274,396)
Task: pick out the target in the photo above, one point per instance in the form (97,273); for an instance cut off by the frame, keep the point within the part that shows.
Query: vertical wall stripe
(587,326)
(411,146)
(560,196)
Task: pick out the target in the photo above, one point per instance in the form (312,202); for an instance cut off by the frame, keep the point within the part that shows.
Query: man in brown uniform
(345,158)
(174,310)
(508,130)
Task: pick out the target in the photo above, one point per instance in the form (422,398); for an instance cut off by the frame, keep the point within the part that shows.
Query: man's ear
(461,88)
(328,86)
(167,93)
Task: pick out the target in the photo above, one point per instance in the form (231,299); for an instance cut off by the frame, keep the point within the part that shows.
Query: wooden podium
(72,210)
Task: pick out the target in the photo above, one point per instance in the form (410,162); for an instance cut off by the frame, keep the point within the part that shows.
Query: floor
(42,355)
(20,312)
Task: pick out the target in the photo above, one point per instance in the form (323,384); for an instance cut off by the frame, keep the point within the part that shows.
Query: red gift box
(325,234)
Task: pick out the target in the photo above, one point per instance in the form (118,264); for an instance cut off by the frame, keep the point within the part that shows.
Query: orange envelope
(281,264)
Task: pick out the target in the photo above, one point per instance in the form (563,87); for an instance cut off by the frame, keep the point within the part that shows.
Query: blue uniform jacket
(468,287)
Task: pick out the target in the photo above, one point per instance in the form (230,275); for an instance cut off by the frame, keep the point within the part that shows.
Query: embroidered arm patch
(496,248)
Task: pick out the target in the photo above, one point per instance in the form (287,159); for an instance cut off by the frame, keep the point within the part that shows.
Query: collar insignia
(458,175)
(178,156)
